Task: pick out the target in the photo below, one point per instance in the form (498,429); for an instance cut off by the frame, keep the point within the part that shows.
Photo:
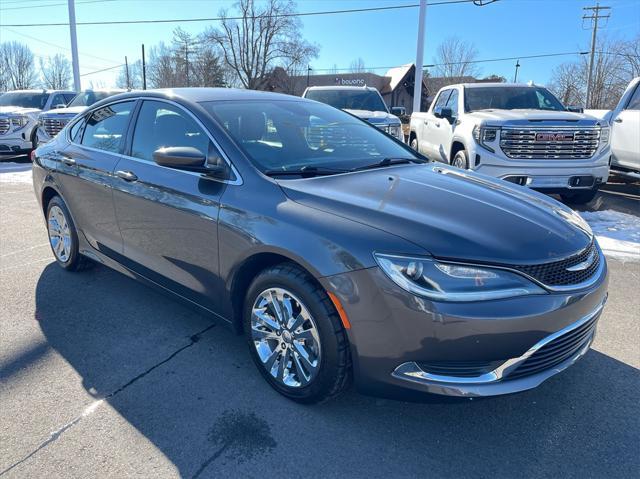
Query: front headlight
(453,282)
(396,131)
(604,135)
(485,135)
(19,121)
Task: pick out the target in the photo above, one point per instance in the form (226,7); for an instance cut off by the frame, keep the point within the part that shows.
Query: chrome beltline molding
(411,370)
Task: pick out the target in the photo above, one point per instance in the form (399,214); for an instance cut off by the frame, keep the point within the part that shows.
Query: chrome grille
(549,143)
(53,126)
(4,125)
(558,273)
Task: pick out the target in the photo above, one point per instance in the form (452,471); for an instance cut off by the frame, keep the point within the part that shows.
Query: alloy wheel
(286,337)
(59,233)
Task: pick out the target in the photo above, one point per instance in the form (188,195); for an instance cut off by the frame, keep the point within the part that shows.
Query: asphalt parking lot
(101,376)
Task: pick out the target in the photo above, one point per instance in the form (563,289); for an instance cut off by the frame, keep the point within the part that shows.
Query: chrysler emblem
(585,264)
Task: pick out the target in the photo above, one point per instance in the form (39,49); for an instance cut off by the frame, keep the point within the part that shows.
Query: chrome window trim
(238,179)
(412,372)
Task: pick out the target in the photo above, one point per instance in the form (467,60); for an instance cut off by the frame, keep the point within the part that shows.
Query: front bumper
(15,143)
(394,334)
(544,173)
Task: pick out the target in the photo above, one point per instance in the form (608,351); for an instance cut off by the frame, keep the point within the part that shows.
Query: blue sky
(504,29)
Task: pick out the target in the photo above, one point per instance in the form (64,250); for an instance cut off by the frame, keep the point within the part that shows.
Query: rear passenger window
(162,125)
(76,131)
(106,127)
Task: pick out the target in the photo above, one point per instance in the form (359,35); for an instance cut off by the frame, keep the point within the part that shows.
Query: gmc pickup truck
(520,133)
(363,102)
(19,112)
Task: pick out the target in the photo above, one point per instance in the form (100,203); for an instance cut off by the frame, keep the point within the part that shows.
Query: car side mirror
(575,109)
(190,159)
(398,110)
(443,112)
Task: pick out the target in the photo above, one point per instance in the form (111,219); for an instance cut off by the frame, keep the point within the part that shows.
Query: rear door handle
(68,160)
(126,175)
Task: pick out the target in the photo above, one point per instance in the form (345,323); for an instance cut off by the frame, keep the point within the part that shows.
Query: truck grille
(53,126)
(557,351)
(549,143)
(558,273)
(4,125)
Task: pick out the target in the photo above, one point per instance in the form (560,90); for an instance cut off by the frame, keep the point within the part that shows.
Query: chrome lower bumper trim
(492,383)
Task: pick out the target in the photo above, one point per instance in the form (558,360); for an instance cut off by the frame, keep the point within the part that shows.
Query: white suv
(520,133)
(19,112)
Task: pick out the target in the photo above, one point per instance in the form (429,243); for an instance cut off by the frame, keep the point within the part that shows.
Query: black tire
(75,261)
(414,143)
(34,140)
(460,160)
(334,372)
(579,197)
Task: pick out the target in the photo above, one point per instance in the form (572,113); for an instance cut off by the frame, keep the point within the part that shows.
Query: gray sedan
(335,249)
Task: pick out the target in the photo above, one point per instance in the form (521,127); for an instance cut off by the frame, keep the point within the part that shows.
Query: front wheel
(414,143)
(460,160)
(295,335)
(579,197)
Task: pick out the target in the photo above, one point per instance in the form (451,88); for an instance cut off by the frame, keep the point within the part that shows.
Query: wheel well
(246,273)
(47,194)
(455,148)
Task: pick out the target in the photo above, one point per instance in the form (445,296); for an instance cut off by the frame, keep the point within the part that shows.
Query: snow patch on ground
(618,233)
(16,177)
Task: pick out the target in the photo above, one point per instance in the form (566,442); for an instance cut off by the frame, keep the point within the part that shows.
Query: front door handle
(618,120)
(126,175)
(68,161)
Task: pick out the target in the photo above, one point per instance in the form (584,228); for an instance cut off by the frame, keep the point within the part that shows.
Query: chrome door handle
(126,175)
(68,161)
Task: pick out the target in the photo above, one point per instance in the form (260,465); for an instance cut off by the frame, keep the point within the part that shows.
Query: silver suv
(19,112)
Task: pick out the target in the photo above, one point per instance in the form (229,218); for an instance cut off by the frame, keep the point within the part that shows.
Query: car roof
(197,95)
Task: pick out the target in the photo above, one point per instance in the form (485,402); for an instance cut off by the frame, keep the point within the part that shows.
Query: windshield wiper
(306,172)
(389,162)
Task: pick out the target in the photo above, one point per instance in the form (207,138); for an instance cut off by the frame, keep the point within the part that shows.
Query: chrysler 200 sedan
(335,249)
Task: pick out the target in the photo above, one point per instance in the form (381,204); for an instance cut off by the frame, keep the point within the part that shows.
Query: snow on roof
(397,74)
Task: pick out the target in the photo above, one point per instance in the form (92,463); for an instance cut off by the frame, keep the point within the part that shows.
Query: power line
(103,70)
(214,19)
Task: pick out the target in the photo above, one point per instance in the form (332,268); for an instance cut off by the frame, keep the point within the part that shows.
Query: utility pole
(417,85)
(515,77)
(74,45)
(308,71)
(144,70)
(594,17)
(126,66)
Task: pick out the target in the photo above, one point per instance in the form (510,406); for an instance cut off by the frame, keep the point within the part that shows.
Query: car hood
(450,213)
(17,110)
(72,111)
(526,116)
(375,116)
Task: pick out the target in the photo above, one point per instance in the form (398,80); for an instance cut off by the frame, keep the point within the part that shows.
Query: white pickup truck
(520,133)
(625,131)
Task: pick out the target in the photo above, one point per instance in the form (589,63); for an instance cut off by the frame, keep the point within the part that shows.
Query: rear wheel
(63,237)
(295,335)
(460,160)
(579,197)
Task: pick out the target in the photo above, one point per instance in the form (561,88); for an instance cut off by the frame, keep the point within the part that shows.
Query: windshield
(293,135)
(349,99)
(88,98)
(510,98)
(24,99)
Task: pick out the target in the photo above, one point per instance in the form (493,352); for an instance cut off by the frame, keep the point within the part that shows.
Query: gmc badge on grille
(546,136)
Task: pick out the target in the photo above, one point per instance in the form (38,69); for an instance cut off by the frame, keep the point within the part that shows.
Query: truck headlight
(484,135)
(396,131)
(441,281)
(605,133)
(19,121)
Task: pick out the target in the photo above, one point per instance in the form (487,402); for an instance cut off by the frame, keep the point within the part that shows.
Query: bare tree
(357,66)
(454,59)
(17,66)
(56,72)
(265,37)
(133,80)
(567,83)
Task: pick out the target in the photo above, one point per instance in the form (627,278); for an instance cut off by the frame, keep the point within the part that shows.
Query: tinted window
(289,135)
(452,102)
(24,99)
(107,126)
(76,131)
(349,99)
(441,101)
(510,98)
(162,125)
(58,99)
(68,97)
(634,103)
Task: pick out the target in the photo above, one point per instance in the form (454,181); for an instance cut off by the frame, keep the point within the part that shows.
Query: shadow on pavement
(194,393)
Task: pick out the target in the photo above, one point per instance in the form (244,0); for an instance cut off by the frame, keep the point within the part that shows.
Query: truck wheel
(460,160)
(579,197)
(414,143)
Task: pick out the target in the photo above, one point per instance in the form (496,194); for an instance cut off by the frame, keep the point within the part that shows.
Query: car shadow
(189,386)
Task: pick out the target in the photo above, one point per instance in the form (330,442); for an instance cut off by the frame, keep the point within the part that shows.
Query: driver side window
(452,103)
(441,101)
